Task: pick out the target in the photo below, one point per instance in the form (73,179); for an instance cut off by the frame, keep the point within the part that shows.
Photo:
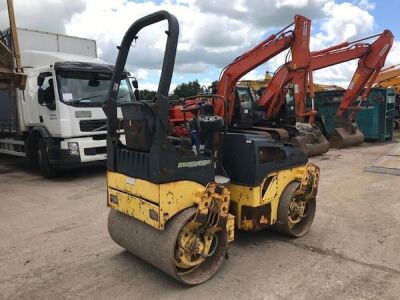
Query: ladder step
(11,141)
(12,152)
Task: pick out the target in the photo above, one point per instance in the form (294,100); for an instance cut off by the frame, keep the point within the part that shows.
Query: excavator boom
(260,54)
(308,138)
(368,69)
(273,98)
(372,59)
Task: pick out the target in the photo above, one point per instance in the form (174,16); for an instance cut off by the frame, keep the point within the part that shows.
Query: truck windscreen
(89,89)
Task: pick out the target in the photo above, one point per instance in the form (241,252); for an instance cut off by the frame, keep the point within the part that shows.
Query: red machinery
(372,58)
(298,41)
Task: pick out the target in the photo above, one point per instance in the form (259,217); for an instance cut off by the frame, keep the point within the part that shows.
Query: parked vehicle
(374,119)
(57,120)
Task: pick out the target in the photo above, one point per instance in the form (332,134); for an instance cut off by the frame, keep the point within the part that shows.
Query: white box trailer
(58,121)
(54,42)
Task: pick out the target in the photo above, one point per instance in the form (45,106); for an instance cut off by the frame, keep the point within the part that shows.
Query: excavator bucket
(311,146)
(343,138)
(346,133)
(310,140)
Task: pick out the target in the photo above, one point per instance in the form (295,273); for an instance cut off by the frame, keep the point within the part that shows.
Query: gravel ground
(54,242)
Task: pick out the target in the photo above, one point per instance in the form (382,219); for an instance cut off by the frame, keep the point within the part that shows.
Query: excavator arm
(296,39)
(372,57)
(368,69)
(274,96)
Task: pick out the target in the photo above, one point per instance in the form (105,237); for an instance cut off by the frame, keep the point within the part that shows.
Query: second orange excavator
(371,60)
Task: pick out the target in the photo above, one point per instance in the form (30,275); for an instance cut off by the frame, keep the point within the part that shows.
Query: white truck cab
(59,116)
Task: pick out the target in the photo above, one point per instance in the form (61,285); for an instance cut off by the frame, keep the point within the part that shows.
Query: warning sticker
(67,97)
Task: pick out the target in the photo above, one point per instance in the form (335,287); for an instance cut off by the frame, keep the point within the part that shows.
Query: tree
(147,94)
(184,90)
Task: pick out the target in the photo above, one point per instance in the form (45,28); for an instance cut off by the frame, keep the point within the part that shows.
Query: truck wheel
(295,215)
(46,169)
(396,124)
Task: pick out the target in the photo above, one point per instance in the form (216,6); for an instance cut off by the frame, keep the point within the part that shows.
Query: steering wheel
(192,107)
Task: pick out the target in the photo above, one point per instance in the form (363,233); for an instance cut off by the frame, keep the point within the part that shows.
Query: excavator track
(276,133)
(310,144)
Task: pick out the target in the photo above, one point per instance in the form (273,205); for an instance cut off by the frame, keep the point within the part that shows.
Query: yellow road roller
(176,199)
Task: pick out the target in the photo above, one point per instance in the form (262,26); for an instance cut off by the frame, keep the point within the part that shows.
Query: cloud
(191,67)
(204,38)
(254,75)
(46,15)
(366,4)
(212,32)
(291,3)
(393,57)
(262,14)
(338,74)
(344,21)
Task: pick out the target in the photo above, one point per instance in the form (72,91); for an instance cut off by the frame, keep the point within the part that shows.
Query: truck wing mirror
(42,76)
(40,80)
(135,83)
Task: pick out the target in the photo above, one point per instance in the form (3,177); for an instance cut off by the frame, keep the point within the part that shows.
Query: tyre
(295,215)
(46,168)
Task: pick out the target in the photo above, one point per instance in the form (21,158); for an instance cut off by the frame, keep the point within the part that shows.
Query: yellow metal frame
(151,203)
(254,197)
(155,204)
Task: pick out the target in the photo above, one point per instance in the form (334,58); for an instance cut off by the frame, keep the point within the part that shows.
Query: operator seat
(139,125)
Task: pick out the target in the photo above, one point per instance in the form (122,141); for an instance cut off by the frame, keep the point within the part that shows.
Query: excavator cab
(175,200)
(244,108)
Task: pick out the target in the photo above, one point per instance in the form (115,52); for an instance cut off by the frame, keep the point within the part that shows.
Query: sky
(212,32)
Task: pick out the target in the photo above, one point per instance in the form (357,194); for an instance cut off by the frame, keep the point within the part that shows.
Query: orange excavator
(371,60)
(240,112)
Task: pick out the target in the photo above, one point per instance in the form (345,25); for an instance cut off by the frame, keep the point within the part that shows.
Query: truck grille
(92,125)
(97,125)
(95,151)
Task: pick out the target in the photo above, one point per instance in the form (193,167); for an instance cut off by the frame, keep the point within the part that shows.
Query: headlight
(73,148)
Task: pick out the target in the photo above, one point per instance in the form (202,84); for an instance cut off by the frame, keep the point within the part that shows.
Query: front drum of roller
(159,247)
